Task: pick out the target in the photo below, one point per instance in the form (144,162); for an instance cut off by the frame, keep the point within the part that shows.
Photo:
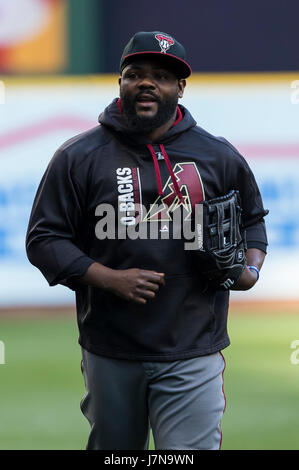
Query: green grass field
(41,384)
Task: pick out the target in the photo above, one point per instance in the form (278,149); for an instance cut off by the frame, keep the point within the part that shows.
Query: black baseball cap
(157,43)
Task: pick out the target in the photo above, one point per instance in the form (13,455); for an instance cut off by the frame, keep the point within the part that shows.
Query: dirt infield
(37,311)
(265,307)
(236,307)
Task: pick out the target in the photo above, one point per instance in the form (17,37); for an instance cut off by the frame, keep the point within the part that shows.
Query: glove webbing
(224,231)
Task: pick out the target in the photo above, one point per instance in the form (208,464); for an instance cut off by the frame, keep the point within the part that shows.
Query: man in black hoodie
(151,329)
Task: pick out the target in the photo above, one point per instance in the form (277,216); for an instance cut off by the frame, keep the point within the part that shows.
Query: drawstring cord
(157,171)
(175,184)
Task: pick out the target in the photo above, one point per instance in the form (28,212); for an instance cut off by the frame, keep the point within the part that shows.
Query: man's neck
(156,134)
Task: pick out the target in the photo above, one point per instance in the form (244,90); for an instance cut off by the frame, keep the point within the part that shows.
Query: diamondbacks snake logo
(165,42)
(130,195)
(191,186)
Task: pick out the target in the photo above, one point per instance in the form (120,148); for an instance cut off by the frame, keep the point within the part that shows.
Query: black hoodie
(109,165)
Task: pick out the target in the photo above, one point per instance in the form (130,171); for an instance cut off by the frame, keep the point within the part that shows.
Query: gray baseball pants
(181,401)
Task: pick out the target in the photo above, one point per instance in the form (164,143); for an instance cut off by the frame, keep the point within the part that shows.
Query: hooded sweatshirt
(144,185)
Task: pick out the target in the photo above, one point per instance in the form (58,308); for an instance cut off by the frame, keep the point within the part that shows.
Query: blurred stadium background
(58,64)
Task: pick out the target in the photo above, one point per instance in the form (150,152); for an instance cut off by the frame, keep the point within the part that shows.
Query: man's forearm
(98,275)
(254,257)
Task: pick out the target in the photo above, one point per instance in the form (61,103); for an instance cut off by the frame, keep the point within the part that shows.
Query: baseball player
(152,319)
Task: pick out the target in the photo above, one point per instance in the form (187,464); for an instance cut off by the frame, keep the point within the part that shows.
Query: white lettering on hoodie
(126,195)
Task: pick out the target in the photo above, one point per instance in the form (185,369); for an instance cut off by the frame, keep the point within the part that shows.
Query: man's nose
(147,82)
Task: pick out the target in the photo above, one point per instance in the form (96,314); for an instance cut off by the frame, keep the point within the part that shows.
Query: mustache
(147,93)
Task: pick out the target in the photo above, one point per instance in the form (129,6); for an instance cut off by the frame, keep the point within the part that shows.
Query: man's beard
(146,125)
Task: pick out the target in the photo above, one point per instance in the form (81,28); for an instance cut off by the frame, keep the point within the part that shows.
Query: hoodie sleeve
(252,205)
(52,242)
(256,236)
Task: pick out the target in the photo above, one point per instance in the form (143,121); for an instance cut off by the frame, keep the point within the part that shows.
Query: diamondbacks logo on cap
(165,42)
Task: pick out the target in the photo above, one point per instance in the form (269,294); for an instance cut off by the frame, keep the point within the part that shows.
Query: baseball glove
(221,257)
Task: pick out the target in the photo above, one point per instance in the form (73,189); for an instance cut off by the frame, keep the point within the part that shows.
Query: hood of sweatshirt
(113,118)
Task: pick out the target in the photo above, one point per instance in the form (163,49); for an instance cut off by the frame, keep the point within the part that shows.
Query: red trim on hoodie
(119,105)
(179,116)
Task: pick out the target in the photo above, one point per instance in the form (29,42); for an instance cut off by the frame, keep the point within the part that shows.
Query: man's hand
(135,285)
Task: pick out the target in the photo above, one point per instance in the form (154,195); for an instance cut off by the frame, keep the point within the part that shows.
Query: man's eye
(162,76)
(131,75)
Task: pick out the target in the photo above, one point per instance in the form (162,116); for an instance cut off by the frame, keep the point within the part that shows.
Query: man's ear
(182,84)
(119,80)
